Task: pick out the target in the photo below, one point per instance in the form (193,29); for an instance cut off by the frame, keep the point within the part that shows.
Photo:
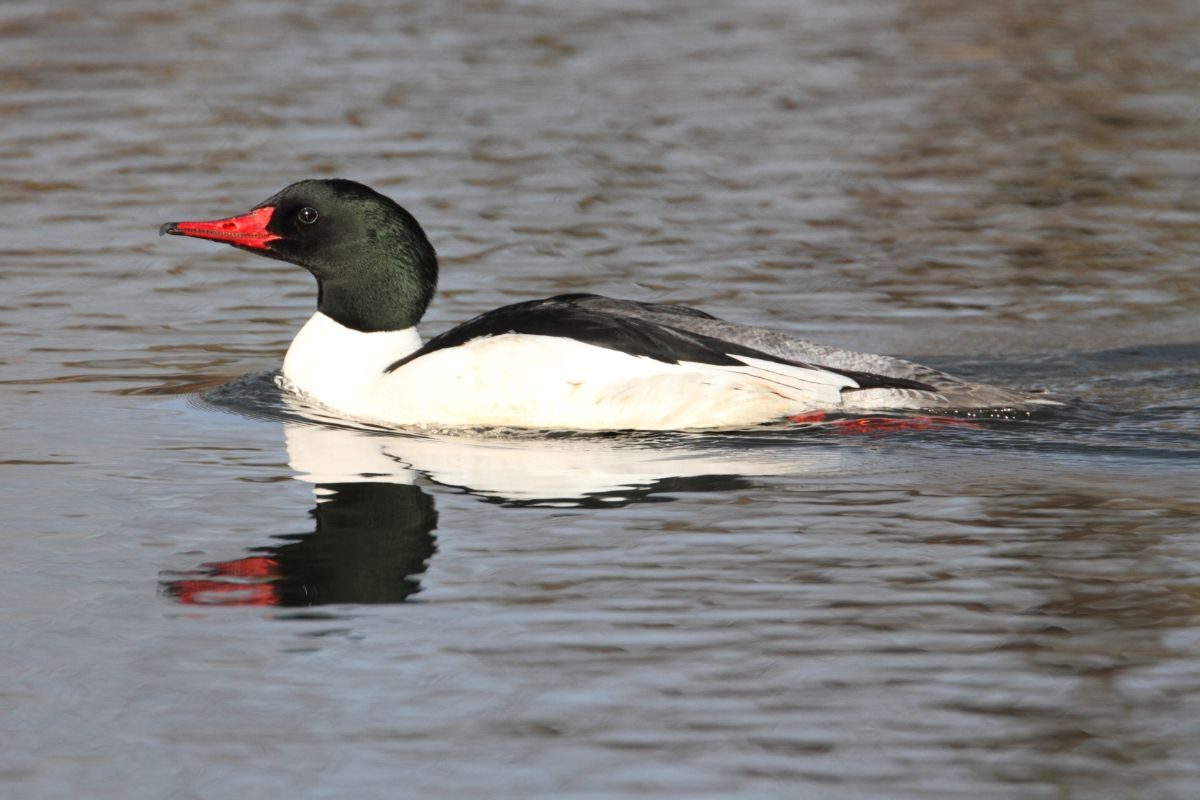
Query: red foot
(871,424)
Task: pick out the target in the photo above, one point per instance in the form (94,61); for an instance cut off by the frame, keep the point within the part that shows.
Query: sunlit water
(210,592)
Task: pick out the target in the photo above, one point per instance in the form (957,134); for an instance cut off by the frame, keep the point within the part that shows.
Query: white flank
(524,380)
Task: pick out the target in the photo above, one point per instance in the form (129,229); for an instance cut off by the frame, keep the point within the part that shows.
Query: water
(206,594)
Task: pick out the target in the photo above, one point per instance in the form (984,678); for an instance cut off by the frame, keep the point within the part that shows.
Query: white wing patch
(797,378)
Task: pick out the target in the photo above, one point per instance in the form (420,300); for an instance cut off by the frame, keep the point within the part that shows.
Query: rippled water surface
(207,593)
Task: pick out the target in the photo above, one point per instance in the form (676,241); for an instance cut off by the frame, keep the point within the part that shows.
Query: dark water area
(211,591)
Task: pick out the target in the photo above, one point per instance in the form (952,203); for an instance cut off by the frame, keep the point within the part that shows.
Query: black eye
(308,215)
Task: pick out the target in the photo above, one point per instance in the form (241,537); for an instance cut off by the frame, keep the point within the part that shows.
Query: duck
(571,361)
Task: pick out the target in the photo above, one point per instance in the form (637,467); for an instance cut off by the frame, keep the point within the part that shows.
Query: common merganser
(574,361)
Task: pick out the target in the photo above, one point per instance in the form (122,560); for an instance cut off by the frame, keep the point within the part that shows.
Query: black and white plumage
(572,361)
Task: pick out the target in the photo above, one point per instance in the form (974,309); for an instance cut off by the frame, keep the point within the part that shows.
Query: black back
(563,316)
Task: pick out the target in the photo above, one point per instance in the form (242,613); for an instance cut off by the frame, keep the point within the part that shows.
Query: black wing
(580,317)
(632,307)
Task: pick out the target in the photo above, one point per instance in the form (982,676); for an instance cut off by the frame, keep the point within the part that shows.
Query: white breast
(338,366)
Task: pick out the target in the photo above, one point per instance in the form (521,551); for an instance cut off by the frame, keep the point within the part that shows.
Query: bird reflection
(374,525)
(371,544)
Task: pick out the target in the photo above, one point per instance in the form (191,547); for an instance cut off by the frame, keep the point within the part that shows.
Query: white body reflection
(541,470)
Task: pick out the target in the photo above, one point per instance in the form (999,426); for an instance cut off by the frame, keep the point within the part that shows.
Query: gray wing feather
(952,392)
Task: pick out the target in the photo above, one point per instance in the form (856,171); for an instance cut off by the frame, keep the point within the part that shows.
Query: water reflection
(373,534)
(570,471)
(370,544)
